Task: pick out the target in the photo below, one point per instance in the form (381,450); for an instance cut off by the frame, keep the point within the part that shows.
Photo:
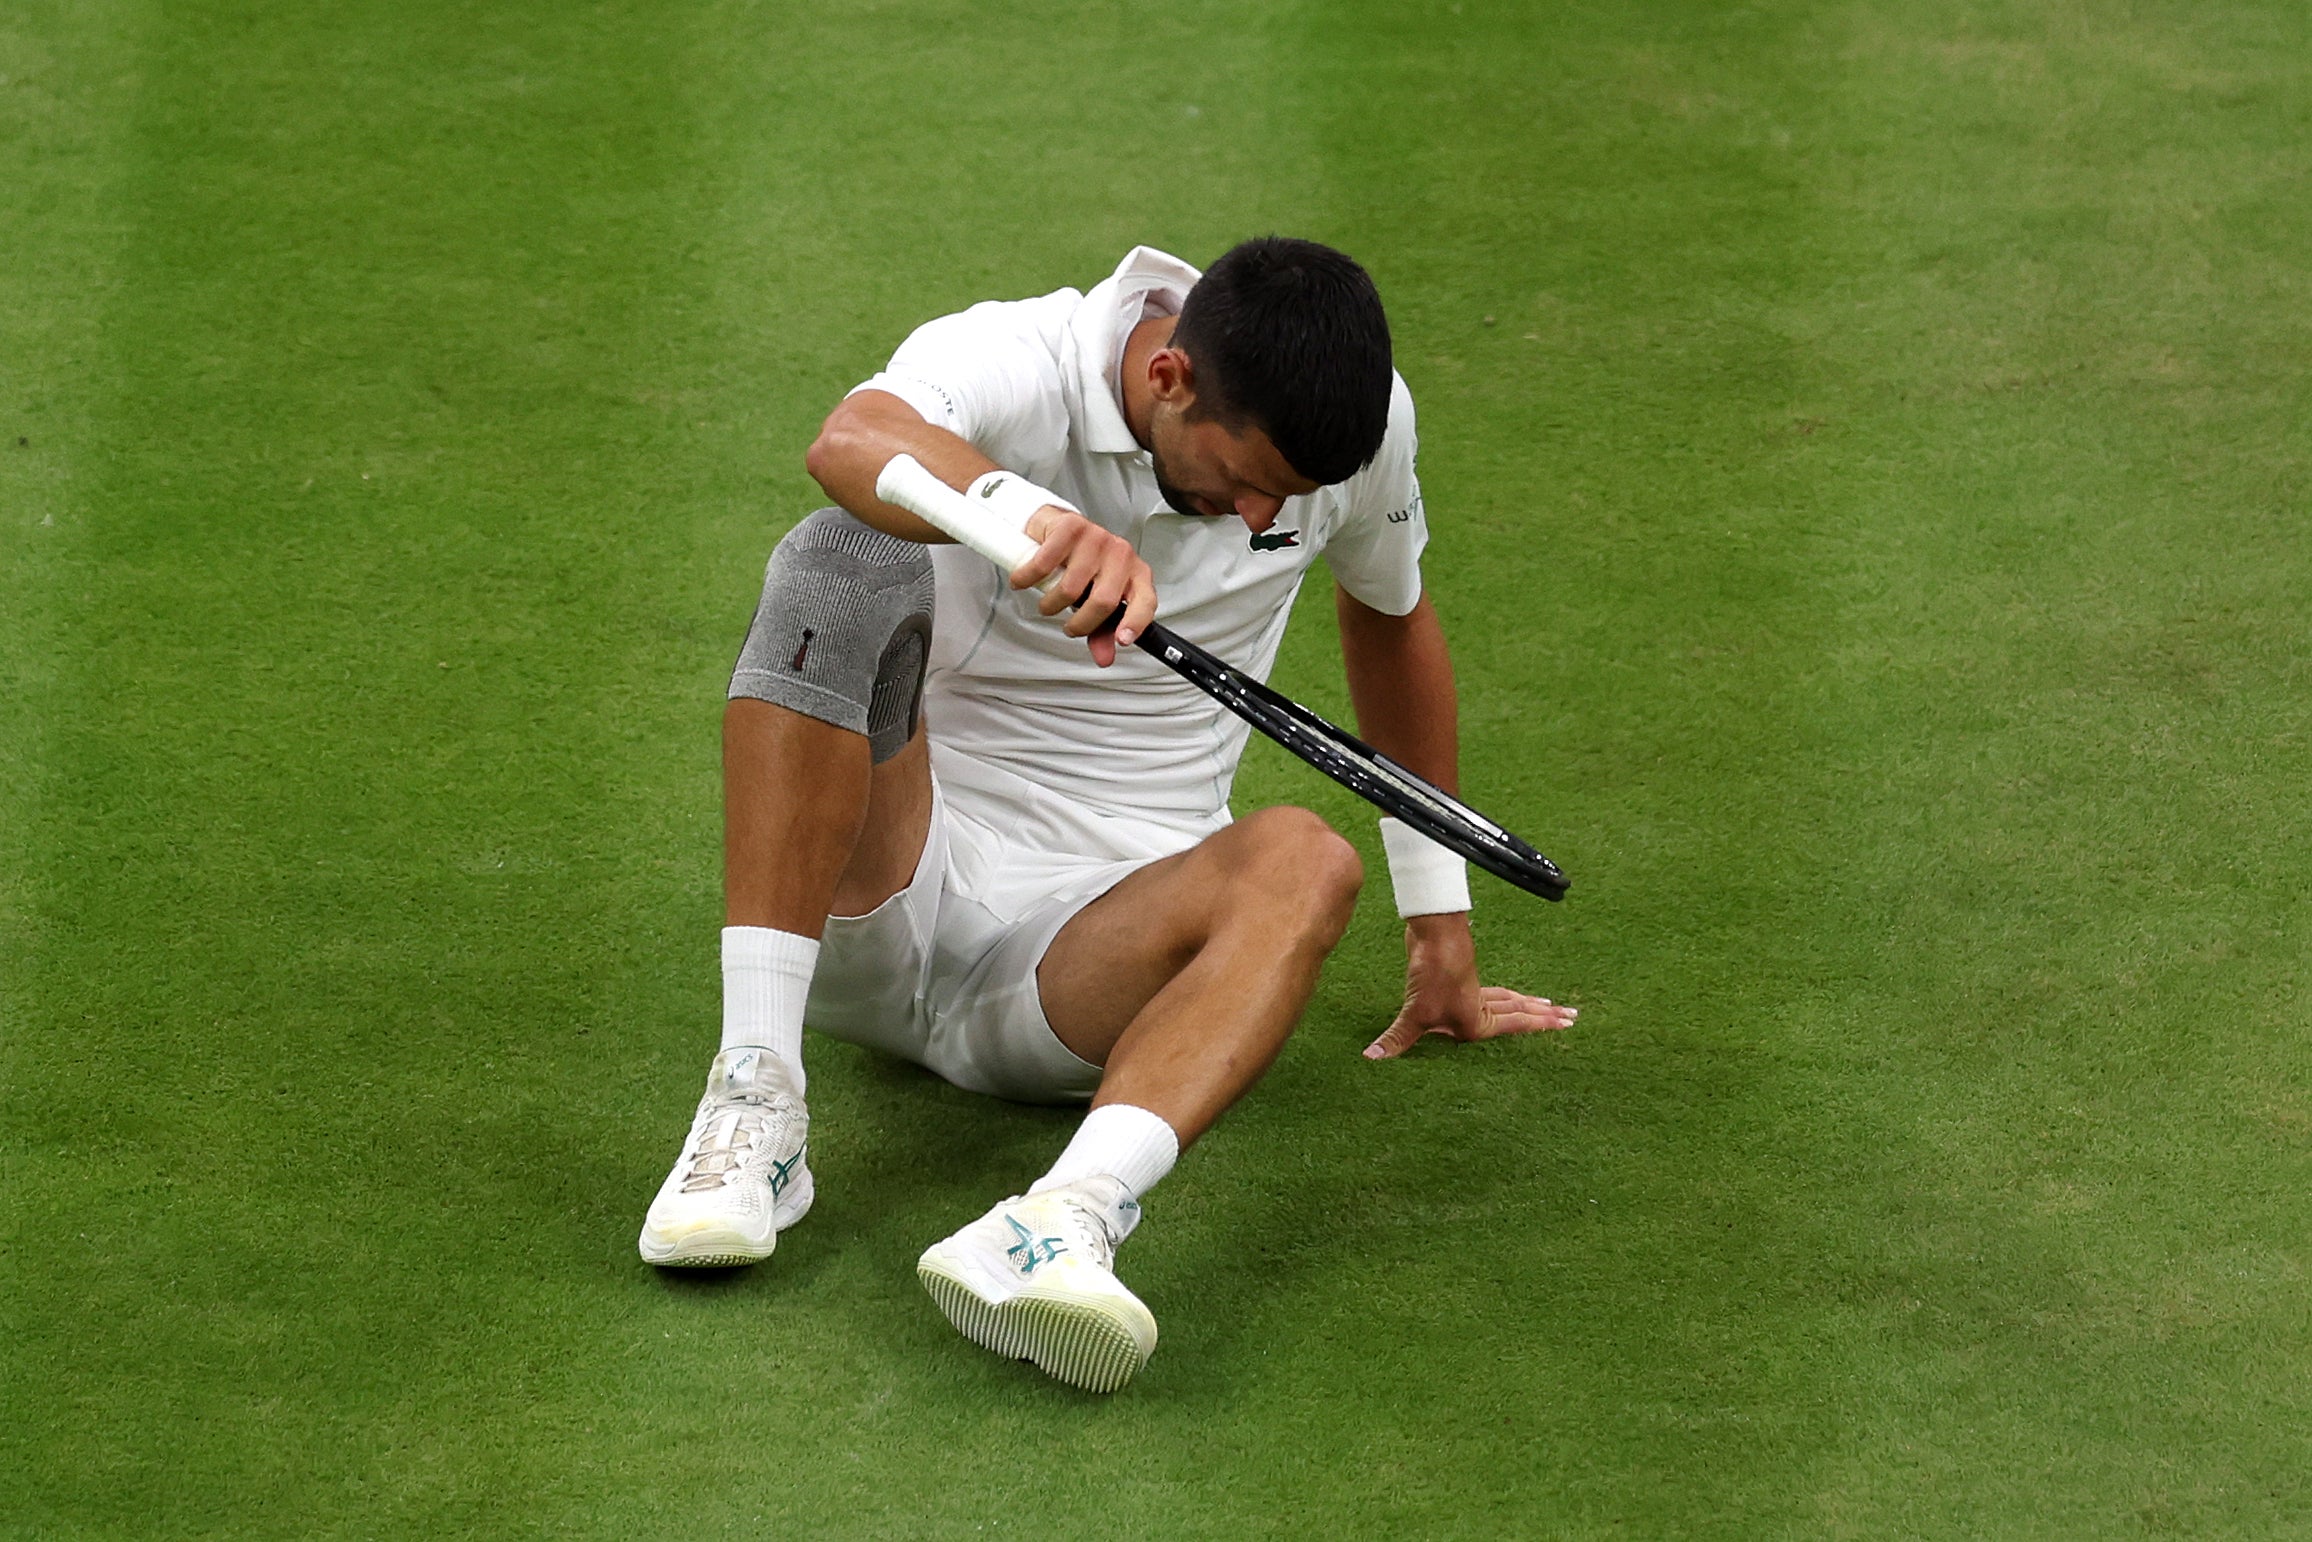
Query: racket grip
(905,483)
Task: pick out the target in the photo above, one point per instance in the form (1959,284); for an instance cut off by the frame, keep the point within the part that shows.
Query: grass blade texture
(1866,454)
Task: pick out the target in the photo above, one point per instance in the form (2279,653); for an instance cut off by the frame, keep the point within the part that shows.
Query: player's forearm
(1401,685)
(859,438)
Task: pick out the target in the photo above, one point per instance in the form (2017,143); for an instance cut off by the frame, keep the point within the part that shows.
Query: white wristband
(1012,497)
(1429,880)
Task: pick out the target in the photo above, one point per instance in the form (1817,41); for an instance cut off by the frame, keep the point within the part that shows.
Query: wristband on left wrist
(1428,879)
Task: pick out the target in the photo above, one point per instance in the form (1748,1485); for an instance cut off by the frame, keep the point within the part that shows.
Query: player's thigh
(892,837)
(872,983)
(1283,870)
(1116,953)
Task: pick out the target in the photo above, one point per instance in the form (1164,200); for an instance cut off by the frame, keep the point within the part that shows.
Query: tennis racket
(1340,755)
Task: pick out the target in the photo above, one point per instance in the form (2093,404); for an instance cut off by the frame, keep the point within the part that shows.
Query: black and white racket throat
(1359,767)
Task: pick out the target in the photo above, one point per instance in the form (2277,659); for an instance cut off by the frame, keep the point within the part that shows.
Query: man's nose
(1258,512)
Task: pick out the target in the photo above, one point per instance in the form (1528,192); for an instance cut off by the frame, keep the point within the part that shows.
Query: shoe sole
(719,1247)
(1094,1344)
(704,1249)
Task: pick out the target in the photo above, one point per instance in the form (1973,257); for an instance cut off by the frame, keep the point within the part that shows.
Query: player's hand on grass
(1099,572)
(1442,994)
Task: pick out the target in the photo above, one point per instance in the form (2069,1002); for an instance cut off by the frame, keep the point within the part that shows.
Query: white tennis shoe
(1033,1280)
(741,1178)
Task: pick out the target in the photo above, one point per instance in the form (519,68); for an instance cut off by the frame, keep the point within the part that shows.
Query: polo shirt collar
(1146,280)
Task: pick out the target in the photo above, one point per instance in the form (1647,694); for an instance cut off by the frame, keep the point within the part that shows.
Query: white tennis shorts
(943,973)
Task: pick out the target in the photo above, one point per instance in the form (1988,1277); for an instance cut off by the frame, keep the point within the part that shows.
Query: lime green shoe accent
(1097,1343)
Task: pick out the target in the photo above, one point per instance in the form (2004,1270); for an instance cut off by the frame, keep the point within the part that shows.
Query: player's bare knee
(1295,865)
(1336,876)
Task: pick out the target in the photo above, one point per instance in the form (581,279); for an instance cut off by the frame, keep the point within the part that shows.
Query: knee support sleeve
(843,632)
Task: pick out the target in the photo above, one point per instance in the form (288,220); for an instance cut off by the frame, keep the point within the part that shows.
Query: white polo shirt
(1032,384)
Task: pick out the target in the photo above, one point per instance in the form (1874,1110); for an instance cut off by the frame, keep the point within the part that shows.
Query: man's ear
(1172,378)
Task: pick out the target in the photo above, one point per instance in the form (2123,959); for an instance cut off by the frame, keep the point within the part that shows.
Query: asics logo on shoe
(783,1172)
(1030,1250)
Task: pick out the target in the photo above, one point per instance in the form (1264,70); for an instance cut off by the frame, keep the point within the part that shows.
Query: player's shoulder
(1039,310)
(1401,427)
(1386,481)
(1066,320)
(1039,321)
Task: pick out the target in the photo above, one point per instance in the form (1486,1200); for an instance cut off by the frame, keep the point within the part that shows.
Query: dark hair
(1288,336)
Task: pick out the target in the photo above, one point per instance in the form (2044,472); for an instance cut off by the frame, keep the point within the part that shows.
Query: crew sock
(766,976)
(1127,1143)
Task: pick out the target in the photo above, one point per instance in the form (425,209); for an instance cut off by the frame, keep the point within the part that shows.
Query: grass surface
(1866,451)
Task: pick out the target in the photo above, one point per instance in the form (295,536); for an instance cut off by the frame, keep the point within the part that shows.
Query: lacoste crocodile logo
(1274,540)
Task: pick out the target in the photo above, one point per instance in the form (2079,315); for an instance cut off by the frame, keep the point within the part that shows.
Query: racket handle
(905,483)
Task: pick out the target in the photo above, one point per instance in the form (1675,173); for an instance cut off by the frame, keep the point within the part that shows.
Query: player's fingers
(1031,572)
(1055,532)
(1508,1011)
(1139,606)
(1066,584)
(1503,997)
(1102,598)
(1051,555)
(1072,594)
(1095,560)
(1503,1025)
(1395,1039)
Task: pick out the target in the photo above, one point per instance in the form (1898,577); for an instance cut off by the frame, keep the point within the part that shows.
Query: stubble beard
(1178,501)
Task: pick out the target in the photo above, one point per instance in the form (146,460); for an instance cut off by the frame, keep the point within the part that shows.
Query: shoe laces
(734,1129)
(1086,1223)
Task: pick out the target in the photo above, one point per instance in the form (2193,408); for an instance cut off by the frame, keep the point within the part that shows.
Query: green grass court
(1867,453)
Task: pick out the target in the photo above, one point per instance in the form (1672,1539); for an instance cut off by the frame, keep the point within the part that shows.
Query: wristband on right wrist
(1012,497)
(1428,879)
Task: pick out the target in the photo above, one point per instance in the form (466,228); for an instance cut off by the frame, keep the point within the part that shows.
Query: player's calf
(1210,956)
(825,701)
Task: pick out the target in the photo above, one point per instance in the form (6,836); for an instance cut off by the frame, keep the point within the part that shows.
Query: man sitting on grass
(969,831)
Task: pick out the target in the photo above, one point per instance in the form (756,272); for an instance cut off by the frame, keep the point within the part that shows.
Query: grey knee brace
(843,630)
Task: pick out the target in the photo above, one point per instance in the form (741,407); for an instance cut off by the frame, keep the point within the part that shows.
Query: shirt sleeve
(1374,549)
(990,375)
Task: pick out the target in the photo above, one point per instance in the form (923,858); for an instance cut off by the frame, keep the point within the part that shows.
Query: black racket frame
(1359,767)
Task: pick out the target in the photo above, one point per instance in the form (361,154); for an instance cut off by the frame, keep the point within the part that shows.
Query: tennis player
(971,827)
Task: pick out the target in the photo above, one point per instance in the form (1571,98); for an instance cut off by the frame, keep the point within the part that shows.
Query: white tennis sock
(1127,1143)
(766,975)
